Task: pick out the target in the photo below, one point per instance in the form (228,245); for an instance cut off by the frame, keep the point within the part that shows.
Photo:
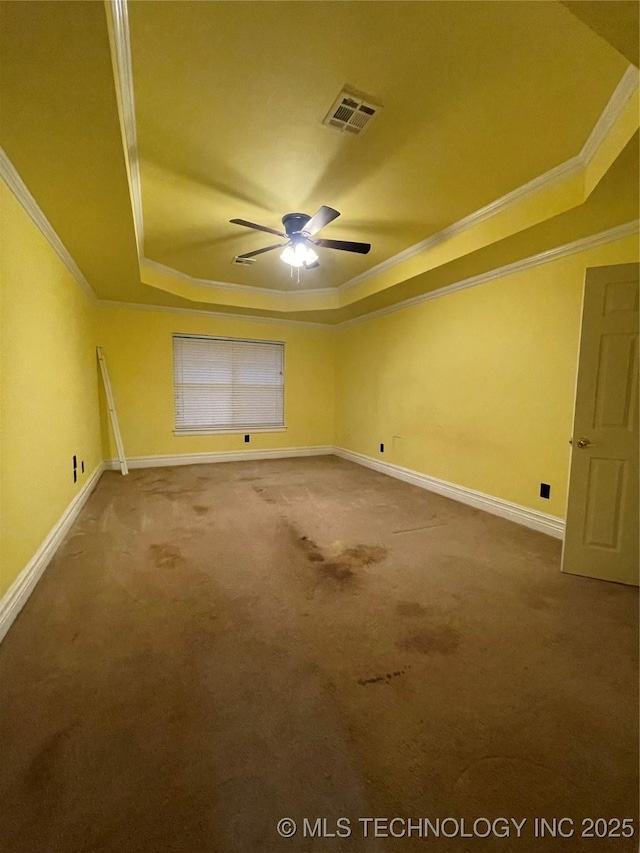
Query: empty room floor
(217,647)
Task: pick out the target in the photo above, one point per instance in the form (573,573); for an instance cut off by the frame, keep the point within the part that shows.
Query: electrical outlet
(382,448)
(82,466)
(75,475)
(247,439)
(75,463)
(545,490)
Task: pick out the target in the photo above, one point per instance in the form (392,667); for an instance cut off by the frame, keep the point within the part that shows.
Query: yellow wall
(474,387)
(139,353)
(48,388)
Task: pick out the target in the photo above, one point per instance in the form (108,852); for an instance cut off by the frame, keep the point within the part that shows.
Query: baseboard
(16,596)
(540,521)
(219,456)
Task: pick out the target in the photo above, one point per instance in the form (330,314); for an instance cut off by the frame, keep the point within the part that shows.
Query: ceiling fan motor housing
(294,223)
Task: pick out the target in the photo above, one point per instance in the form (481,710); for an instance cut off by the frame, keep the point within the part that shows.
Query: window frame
(227,430)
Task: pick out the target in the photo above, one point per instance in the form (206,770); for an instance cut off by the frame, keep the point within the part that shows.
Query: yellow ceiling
(616,21)
(230,98)
(478,99)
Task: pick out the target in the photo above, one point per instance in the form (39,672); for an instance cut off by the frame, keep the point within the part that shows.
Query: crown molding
(248,318)
(120,40)
(590,242)
(9,174)
(628,229)
(618,101)
(227,285)
(561,172)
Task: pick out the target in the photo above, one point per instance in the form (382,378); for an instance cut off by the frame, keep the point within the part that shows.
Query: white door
(601,538)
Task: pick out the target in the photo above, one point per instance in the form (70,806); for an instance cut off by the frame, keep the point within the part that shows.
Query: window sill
(246,431)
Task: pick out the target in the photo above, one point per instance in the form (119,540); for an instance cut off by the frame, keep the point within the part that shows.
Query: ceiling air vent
(244,262)
(351,112)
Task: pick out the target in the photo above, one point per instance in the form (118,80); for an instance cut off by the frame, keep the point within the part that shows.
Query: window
(227,384)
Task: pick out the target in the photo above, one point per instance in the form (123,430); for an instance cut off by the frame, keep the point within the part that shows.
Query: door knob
(583,442)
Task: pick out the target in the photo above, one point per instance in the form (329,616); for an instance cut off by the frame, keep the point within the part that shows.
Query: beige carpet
(215,648)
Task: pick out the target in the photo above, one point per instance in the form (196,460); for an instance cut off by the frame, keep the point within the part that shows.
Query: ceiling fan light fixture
(300,230)
(310,257)
(298,255)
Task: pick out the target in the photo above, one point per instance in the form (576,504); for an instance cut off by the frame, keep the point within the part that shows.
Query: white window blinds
(223,384)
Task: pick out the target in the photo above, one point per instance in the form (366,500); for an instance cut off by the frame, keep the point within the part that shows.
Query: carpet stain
(200,510)
(410,609)
(363,555)
(342,568)
(381,679)
(310,550)
(315,557)
(264,494)
(166,556)
(429,641)
(338,569)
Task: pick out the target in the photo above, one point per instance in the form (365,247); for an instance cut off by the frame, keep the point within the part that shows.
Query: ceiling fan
(299,230)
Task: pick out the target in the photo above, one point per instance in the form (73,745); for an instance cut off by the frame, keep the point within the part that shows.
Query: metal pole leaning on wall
(112,411)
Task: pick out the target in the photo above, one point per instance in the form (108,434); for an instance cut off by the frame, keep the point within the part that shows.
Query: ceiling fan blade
(319,219)
(260,251)
(257,227)
(312,266)
(344,245)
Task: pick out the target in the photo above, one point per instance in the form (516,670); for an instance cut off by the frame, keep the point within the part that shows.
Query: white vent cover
(351,113)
